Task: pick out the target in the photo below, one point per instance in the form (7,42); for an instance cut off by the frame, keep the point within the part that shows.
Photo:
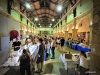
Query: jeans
(49,51)
(53,53)
(45,55)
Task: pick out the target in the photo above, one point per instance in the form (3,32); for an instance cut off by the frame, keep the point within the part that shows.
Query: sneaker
(52,58)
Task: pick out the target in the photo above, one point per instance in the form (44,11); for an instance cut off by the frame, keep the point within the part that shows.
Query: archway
(83,27)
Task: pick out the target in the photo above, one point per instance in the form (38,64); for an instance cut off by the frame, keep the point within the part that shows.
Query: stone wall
(95,47)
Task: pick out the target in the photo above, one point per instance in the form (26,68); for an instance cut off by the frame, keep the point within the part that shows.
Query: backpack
(24,61)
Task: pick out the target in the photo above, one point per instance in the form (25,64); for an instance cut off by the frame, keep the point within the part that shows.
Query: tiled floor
(55,66)
(51,66)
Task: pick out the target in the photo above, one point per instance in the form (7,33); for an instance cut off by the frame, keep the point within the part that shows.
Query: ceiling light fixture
(59,8)
(53,19)
(28,5)
(50,24)
(36,19)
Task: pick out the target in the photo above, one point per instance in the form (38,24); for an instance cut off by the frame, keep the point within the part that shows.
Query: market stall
(14,56)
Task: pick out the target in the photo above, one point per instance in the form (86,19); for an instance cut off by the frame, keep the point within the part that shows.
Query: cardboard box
(68,56)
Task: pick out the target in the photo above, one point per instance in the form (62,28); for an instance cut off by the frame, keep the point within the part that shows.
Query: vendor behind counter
(16,44)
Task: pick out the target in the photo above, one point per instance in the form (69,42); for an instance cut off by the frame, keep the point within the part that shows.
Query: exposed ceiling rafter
(47,14)
(45,9)
(33,1)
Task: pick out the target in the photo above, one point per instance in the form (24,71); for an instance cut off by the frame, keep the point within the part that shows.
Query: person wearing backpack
(25,61)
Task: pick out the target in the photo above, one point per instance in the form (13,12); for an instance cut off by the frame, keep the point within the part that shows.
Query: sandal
(37,71)
(41,71)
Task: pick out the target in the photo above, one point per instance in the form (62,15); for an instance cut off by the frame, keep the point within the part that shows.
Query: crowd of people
(46,47)
(70,41)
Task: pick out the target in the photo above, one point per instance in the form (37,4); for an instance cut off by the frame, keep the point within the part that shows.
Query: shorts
(39,60)
(62,45)
(58,43)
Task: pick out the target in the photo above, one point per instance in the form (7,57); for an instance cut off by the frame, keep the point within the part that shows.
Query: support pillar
(58,34)
(61,34)
(26,32)
(74,34)
(66,35)
(90,38)
(87,37)
(54,34)
(74,30)
(95,45)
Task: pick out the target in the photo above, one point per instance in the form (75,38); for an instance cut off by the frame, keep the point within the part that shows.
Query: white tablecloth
(14,61)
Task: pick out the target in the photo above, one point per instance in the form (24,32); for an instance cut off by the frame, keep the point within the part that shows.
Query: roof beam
(40,0)
(71,2)
(46,14)
(45,9)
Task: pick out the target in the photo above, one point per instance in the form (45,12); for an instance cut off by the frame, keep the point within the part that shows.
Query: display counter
(82,48)
(14,56)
